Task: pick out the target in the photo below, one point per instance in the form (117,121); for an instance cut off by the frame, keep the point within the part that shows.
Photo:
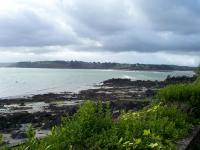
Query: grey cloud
(128,25)
(150,41)
(96,19)
(26,28)
(180,16)
(103,16)
(167,25)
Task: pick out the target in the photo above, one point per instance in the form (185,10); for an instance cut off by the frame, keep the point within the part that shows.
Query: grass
(183,93)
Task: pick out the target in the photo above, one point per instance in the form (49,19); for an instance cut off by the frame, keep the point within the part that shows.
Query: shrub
(159,126)
(92,127)
(183,93)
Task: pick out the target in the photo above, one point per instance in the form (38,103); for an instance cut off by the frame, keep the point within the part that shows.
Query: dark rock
(18,135)
(180,79)
(22,104)
(117,82)
(128,105)
(191,142)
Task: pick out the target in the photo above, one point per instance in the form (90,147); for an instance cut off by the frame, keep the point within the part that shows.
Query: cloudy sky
(127,31)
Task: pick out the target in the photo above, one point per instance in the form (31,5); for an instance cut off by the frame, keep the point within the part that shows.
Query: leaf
(121,139)
(48,147)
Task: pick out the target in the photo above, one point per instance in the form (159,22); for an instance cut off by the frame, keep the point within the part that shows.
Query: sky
(125,31)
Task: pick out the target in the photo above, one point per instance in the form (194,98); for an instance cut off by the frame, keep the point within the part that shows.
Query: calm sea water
(23,81)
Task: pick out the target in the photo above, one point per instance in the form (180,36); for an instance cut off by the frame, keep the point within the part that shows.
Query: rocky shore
(46,110)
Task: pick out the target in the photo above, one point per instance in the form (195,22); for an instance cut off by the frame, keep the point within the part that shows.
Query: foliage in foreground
(157,127)
(183,93)
(92,127)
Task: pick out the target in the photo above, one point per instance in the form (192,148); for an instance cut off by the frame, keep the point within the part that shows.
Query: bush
(92,127)
(159,126)
(183,93)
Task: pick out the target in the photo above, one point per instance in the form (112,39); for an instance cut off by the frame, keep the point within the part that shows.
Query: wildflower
(146,132)
(138,141)
(153,145)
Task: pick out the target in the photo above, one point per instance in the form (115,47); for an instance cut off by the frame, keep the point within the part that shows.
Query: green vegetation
(188,94)
(157,127)
(92,127)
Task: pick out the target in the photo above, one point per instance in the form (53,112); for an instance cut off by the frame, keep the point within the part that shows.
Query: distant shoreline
(96,65)
(99,69)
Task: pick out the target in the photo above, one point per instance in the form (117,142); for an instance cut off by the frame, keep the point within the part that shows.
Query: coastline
(113,69)
(46,110)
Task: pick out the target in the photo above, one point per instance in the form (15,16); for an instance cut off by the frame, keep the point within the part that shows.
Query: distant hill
(94,65)
(5,64)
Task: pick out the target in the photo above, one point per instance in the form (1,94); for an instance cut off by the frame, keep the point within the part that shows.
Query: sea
(18,82)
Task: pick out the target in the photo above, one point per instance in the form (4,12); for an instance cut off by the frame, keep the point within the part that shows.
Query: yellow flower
(146,132)
(153,145)
(138,141)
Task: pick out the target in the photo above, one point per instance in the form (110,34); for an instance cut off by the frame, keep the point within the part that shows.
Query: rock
(128,105)
(18,135)
(180,79)
(22,104)
(116,82)
(190,142)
